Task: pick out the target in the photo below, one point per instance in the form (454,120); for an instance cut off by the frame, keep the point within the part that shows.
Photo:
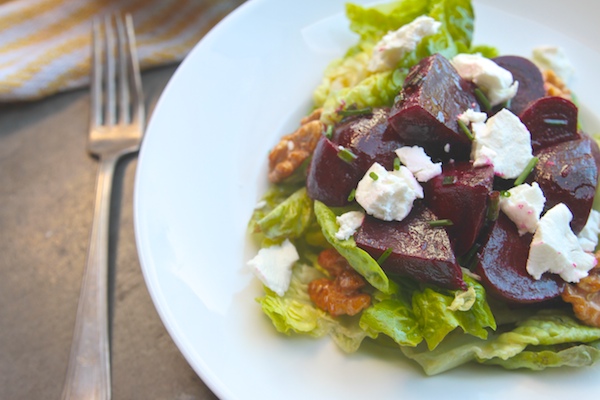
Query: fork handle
(88,373)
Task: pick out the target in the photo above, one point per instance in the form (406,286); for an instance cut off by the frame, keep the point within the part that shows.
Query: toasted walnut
(585,297)
(342,295)
(314,116)
(293,149)
(555,86)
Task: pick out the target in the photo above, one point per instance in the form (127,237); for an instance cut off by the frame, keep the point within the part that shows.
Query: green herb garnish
(483,100)
(530,165)
(355,111)
(346,155)
(555,121)
(466,130)
(440,222)
(384,256)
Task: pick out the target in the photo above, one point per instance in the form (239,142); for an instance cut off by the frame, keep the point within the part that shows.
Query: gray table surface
(47,186)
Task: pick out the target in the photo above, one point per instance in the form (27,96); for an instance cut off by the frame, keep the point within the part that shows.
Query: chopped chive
(440,222)
(346,155)
(493,210)
(384,256)
(396,164)
(465,129)
(355,111)
(449,180)
(483,100)
(530,166)
(504,193)
(329,131)
(555,121)
(374,176)
(468,258)
(352,195)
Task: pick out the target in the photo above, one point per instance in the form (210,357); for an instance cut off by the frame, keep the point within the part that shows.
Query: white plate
(203,167)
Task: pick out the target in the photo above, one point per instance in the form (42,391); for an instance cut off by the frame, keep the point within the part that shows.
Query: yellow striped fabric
(45,44)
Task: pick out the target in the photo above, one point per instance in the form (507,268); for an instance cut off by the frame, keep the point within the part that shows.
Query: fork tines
(122,86)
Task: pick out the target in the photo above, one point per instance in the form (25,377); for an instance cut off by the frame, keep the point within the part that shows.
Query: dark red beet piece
(370,138)
(330,179)
(502,267)
(567,173)
(460,194)
(426,111)
(594,147)
(418,250)
(550,120)
(529,76)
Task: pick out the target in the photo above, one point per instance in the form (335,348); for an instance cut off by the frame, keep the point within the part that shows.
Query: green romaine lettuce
(295,312)
(437,318)
(359,259)
(560,334)
(283,217)
(348,82)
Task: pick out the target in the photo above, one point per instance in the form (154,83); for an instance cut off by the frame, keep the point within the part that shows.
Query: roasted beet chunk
(330,178)
(460,194)
(531,82)
(418,250)
(370,138)
(426,110)
(502,267)
(567,173)
(550,120)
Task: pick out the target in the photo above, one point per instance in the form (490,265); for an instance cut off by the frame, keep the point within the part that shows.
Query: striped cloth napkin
(45,44)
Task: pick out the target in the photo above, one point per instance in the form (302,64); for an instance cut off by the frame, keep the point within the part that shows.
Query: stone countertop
(47,189)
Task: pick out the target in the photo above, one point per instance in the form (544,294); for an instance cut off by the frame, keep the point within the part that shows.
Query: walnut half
(293,149)
(585,297)
(555,86)
(342,295)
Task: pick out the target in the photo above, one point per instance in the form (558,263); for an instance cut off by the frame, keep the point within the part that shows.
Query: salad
(438,198)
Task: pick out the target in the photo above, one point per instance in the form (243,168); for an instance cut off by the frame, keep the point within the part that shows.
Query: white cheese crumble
(588,237)
(472,116)
(349,222)
(388,195)
(273,266)
(418,162)
(554,58)
(496,82)
(504,142)
(395,44)
(555,248)
(523,206)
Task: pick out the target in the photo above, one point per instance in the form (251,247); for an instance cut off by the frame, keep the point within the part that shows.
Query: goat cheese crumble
(496,82)
(588,237)
(349,222)
(555,248)
(273,266)
(504,142)
(419,163)
(554,58)
(524,205)
(388,195)
(395,44)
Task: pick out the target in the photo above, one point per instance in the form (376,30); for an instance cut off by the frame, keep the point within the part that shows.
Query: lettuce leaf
(359,259)
(347,82)
(437,318)
(582,355)
(295,313)
(560,334)
(287,218)
(394,318)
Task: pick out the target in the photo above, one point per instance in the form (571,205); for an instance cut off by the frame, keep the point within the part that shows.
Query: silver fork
(116,129)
